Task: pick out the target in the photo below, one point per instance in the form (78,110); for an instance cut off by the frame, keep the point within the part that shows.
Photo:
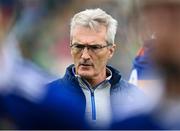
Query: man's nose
(85,54)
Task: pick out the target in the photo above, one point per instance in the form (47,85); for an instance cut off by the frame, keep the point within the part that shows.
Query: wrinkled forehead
(88,35)
(89,29)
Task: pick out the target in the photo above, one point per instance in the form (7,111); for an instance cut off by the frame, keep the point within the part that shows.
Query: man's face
(90,62)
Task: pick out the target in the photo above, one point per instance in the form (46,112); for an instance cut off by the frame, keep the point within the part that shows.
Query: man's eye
(95,47)
(79,46)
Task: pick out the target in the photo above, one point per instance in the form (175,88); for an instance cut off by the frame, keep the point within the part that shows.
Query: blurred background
(41,30)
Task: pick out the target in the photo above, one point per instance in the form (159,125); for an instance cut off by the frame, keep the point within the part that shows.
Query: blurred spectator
(167,56)
(144,73)
(142,64)
(19,76)
(162,17)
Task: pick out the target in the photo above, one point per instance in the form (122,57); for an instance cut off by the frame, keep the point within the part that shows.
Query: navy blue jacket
(65,101)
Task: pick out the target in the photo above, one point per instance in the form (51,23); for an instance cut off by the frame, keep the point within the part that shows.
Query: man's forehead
(87,35)
(81,28)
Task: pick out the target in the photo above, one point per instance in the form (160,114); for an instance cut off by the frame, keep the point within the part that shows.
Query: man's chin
(85,75)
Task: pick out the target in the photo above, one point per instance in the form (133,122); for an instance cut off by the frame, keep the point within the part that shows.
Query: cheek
(75,58)
(101,60)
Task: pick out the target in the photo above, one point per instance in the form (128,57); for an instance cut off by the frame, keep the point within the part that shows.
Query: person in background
(20,79)
(144,73)
(163,18)
(167,58)
(142,64)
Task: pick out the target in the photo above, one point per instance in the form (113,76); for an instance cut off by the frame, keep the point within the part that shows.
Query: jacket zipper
(93,106)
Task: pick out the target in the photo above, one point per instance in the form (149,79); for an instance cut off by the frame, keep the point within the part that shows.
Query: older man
(90,88)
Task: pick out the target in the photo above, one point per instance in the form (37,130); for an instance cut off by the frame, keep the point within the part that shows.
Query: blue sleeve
(143,62)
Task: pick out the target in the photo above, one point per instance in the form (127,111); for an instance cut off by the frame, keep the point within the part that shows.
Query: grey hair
(92,18)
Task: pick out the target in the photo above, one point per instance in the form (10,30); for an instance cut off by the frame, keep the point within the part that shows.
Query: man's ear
(112,50)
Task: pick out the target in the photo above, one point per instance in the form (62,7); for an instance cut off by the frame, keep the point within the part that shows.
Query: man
(91,91)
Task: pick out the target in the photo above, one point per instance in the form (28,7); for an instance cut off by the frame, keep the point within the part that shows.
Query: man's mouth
(85,64)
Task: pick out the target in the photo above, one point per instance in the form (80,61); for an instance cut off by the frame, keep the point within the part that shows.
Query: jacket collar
(116,76)
(107,69)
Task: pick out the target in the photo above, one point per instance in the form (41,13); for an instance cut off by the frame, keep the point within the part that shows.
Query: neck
(95,82)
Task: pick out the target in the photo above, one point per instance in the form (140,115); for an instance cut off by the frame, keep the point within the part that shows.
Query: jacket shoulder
(54,83)
(126,91)
(125,85)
